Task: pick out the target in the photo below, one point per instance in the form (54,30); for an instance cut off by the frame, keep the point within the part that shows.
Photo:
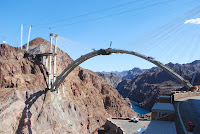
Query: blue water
(139,109)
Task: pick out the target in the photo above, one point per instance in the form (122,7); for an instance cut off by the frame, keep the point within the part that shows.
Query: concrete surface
(164,107)
(161,127)
(130,127)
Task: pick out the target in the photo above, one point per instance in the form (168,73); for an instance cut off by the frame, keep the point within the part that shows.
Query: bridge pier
(46,63)
(50,60)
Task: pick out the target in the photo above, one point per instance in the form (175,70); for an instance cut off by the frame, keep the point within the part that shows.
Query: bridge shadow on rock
(43,70)
(26,113)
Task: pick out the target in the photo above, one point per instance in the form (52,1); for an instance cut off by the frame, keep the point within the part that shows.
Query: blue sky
(151,27)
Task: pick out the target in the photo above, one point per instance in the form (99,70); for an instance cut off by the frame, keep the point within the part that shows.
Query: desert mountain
(82,104)
(145,88)
(114,78)
(132,73)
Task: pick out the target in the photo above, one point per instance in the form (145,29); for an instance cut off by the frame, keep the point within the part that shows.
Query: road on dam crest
(189,111)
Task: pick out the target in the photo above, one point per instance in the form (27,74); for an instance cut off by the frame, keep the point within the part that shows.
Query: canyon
(145,88)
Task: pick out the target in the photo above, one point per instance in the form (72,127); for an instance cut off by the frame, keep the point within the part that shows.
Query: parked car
(134,119)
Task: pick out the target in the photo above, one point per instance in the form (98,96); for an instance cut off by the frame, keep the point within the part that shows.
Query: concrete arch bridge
(109,51)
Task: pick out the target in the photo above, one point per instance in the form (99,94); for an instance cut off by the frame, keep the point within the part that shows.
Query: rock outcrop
(81,105)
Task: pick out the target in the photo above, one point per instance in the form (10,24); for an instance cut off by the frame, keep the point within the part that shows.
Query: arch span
(109,51)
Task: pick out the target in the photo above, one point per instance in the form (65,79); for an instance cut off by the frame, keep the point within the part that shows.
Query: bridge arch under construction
(109,51)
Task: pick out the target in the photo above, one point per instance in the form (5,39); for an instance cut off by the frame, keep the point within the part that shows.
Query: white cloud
(193,21)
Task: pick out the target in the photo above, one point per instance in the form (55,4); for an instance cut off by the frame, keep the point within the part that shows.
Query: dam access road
(188,111)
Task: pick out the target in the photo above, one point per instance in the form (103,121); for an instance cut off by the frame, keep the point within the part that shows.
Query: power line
(106,16)
(90,13)
(115,14)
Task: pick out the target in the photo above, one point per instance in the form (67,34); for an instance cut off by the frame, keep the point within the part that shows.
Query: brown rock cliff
(81,105)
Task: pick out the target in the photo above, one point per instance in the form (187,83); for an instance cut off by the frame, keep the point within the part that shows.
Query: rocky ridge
(114,78)
(133,73)
(81,105)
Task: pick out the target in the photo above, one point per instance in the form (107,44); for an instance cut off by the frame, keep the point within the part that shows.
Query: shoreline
(139,109)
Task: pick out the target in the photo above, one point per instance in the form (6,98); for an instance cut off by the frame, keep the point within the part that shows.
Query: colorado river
(139,109)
